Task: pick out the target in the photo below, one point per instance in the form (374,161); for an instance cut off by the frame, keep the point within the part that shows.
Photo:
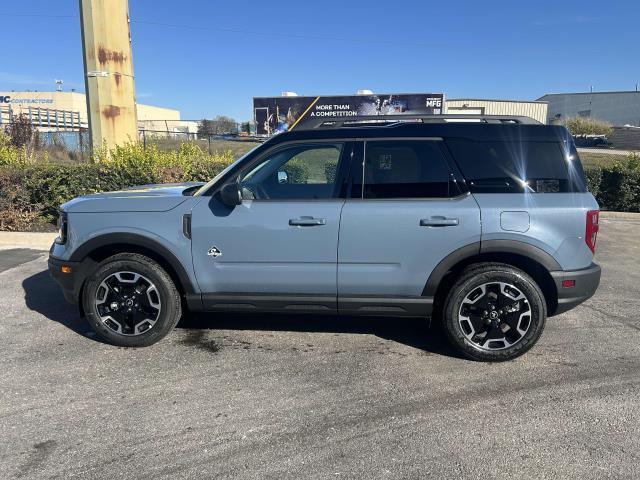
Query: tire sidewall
(496,274)
(169,311)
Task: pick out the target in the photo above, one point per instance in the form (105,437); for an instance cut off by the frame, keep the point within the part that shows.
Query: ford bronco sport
(483,223)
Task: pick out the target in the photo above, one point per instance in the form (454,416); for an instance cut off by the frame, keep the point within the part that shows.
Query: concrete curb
(625,215)
(35,240)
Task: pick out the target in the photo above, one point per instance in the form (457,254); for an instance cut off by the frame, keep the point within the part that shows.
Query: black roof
(473,131)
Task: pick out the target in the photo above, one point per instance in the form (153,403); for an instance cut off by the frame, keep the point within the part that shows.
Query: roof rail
(399,119)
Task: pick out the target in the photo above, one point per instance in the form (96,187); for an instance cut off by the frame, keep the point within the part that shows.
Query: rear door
(406,212)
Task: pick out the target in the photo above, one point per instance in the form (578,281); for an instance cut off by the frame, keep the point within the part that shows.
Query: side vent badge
(214,252)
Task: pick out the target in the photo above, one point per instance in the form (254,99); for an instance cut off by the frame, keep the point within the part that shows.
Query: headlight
(63,226)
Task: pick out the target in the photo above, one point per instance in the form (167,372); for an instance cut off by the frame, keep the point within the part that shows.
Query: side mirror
(283,177)
(230,194)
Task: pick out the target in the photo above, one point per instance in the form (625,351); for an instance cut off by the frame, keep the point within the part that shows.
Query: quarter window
(518,166)
(403,169)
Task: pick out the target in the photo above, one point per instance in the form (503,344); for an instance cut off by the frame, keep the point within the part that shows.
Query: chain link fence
(73,144)
(211,143)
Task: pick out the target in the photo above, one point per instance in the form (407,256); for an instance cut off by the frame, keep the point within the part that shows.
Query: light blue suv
(485,224)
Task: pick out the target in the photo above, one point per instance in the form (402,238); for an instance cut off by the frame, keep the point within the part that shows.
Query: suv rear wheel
(494,312)
(131,301)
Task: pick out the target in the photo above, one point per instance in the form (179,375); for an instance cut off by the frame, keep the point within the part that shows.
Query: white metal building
(476,106)
(617,108)
(66,110)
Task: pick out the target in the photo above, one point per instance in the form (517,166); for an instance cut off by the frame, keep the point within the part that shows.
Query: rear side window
(403,169)
(516,167)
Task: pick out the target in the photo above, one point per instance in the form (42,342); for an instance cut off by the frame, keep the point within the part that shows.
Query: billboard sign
(279,114)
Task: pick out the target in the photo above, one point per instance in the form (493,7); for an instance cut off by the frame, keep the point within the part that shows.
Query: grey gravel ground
(273,397)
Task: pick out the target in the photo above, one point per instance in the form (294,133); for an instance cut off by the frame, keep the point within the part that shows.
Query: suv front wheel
(494,312)
(131,301)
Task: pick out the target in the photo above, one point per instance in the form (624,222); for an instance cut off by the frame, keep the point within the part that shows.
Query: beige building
(474,106)
(60,110)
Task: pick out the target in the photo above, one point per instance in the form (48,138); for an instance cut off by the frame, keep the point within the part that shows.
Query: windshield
(215,179)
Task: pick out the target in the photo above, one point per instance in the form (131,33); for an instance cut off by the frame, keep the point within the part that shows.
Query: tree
(21,131)
(218,126)
(205,128)
(226,124)
(588,126)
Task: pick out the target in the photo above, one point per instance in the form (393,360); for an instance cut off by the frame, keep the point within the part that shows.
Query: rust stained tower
(108,64)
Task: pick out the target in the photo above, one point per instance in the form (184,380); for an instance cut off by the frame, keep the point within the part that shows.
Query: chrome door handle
(307,221)
(439,222)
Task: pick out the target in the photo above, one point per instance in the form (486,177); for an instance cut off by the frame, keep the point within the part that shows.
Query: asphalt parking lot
(309,397)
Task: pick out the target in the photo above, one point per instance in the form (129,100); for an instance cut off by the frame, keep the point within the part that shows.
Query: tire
(131,301)
(501,300)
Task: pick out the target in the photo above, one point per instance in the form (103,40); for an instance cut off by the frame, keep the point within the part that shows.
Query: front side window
(403,169)
(297,172)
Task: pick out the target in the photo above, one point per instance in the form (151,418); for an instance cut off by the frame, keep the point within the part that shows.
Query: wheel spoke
(128,303)
(494,315)
(493,333)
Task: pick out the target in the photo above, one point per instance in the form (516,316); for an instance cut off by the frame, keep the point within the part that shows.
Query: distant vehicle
(592,141)
(484,224)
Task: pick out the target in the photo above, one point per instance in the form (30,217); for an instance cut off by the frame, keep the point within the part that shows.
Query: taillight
(591,233)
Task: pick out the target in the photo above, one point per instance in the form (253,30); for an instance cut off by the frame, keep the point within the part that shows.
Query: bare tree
(22,132)
(218,126)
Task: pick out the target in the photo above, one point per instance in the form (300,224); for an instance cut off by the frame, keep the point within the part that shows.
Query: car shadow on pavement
(412,332)
(44,296)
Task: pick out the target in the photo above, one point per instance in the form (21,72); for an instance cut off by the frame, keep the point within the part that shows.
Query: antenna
(59,85)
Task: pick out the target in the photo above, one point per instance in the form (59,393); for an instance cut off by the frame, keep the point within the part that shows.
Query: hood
(144,198)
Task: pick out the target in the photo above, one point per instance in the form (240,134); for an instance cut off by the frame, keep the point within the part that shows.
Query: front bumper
(586,284)
(71,283)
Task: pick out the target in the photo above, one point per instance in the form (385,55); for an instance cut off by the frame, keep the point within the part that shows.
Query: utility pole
(108,68)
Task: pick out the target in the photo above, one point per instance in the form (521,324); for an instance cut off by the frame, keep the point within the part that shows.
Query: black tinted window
(404,169)
(541,167)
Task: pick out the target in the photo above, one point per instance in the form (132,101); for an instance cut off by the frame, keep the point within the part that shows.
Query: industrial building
(475,106)
(68,110)
(617,108)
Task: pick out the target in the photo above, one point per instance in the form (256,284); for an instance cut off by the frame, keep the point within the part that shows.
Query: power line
(42,15)
(242,31)
(282,35)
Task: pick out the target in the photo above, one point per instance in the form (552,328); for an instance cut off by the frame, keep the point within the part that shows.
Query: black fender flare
(81,253)
(487,247)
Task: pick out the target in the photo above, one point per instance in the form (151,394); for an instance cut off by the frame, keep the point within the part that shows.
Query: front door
(406,214)
(278,249)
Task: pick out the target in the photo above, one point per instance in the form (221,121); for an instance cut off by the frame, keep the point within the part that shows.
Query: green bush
(588,126)
(297,171)
(617,187)
(330,171)
(31,190)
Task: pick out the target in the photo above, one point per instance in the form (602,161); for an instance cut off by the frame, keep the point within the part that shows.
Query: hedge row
(30,193)
(616,188)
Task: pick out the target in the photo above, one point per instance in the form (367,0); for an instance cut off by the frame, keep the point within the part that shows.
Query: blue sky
(211,57)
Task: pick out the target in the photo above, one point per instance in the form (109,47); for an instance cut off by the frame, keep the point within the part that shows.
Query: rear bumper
(71,283)
(586,284)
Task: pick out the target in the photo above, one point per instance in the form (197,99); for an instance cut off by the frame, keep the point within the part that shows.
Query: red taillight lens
(591,233)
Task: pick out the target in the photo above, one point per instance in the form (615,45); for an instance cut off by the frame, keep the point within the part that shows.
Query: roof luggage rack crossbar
(399,119)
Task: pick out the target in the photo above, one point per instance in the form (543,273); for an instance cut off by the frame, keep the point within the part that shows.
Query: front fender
(145,240)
